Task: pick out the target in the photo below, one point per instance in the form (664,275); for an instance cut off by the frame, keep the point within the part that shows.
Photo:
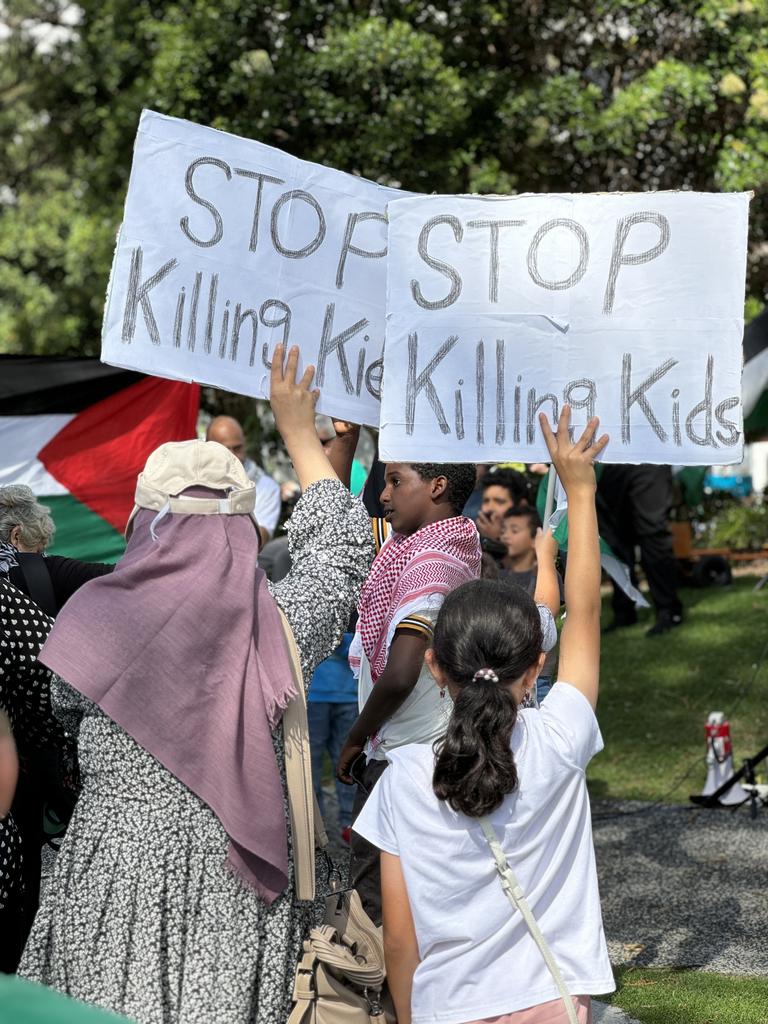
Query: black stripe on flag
(31,385)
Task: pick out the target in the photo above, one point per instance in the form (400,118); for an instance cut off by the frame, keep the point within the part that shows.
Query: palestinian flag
(78,433)
(755,377)
(611,564)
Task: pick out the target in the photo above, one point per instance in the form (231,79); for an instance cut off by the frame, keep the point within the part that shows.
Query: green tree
(483,96)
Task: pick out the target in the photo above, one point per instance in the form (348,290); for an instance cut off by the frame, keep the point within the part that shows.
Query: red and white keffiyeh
(411,573)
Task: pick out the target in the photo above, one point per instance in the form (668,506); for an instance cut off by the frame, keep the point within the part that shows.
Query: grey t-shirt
(527,580)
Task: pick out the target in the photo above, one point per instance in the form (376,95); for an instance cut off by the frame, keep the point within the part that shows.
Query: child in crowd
(331,710)
(530,563)
(455,951)
(518,535)
(426,549)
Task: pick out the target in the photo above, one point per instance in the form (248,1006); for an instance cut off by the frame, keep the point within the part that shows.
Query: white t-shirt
(477,956)
(267,509)
(421,718)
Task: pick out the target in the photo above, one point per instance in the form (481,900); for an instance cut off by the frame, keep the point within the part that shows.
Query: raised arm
(580,641)
(329,533)
(293,404)
(341,449)
(547,583)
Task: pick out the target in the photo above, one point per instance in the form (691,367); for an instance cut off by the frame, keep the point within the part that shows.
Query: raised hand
(293,402)
(573,460)
(346,429)
(545,546)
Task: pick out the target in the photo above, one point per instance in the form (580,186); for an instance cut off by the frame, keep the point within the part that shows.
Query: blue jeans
(328,727)
(543,685)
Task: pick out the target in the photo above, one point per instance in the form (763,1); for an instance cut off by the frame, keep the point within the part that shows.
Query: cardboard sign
(626,306)
(229,247)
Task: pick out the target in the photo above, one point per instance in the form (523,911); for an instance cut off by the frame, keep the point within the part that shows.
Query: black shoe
(618,624)
(665,622)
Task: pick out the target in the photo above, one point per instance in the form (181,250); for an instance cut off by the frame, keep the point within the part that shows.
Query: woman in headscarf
(173,897)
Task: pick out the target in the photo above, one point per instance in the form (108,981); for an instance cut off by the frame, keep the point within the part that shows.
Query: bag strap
(304,993)
(511,887)
(307,826)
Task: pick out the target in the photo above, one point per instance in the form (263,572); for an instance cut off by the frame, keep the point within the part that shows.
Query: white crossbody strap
(511,887)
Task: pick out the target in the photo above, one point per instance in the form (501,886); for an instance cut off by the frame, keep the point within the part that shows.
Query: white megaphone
(720,761)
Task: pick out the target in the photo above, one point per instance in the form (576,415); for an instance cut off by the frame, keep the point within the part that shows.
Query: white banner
(627,306)
(228,247)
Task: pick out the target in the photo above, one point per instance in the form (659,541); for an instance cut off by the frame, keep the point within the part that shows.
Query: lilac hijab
(182,646)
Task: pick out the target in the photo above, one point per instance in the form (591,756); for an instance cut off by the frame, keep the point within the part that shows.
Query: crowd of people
(140,730)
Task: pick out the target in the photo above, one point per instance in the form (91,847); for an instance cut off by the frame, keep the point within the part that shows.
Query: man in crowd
(502,489)
(227,431)
(633,504)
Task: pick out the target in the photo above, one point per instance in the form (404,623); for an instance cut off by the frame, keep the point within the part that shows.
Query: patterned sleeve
(331,551)
(68,705)
(24,682)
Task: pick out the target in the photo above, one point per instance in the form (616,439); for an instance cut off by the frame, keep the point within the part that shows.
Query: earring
(442,692)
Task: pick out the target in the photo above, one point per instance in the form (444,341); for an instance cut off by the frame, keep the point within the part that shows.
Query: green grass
(687,997)
(656,693)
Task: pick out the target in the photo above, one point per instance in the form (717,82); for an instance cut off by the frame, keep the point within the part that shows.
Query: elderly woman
(26,528)
(173,897)
(24,522)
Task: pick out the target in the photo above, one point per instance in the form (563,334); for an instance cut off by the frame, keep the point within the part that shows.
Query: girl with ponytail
(456,951)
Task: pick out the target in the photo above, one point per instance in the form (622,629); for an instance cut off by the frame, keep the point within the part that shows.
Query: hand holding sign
(293,404)
(574,461)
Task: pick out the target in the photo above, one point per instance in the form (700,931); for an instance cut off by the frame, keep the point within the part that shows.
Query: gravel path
(684,887)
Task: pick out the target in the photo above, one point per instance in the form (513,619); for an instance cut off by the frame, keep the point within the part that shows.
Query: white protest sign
(626,306)
(229,247)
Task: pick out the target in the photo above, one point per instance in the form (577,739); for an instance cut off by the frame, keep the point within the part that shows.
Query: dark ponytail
(486,624)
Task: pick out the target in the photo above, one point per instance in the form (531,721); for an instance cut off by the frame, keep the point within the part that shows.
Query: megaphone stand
(747,771)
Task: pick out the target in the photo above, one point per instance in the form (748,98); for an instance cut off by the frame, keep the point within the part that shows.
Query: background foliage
(480,96)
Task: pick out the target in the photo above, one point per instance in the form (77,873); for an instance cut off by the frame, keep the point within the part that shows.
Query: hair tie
(485,675)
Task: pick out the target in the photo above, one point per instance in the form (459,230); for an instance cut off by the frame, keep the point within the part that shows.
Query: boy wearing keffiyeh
(431,549)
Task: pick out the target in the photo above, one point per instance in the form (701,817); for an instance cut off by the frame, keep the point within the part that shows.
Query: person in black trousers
(633,504)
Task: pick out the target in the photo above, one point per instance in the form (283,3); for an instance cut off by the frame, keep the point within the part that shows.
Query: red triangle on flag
(99,454)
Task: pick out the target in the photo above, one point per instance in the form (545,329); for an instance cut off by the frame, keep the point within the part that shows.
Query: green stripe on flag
(80,533)
(757,421)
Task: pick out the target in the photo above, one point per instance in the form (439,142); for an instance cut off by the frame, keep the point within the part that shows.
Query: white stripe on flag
(21,438)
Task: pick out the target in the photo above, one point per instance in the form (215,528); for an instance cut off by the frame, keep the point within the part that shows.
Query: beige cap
(174,467)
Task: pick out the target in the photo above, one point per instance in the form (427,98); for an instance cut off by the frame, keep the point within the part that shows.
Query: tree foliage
(482,96)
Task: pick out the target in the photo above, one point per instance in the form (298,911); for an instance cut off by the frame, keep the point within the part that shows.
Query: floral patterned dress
(142,915)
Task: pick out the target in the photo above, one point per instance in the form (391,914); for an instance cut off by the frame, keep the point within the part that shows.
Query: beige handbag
(340,977)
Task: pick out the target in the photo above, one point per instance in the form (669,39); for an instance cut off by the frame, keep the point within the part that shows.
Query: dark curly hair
(460,477)
(483,624)
(527,512)
(514,483)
